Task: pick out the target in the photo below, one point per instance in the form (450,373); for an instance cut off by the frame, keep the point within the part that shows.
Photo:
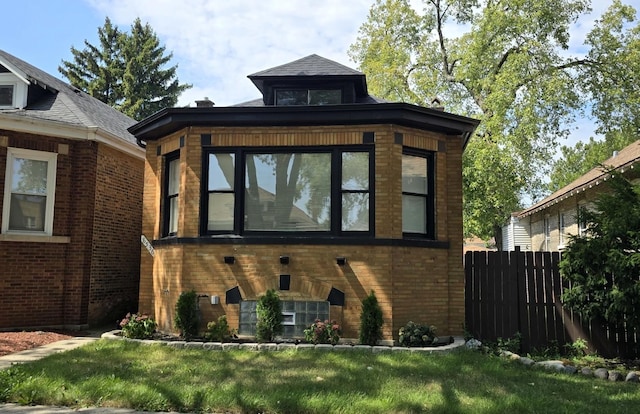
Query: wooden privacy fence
(519,292)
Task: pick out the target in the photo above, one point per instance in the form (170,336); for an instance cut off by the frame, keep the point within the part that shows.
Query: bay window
(322,191)
(30,183)
(418,194)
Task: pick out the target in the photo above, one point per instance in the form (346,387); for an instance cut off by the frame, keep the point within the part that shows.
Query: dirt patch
(11,342)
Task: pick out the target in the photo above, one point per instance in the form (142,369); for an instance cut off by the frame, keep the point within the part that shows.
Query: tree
(583,156)
(603,267)
(611,82)
(126,70)
(370,321)
(269,317)
(508,69)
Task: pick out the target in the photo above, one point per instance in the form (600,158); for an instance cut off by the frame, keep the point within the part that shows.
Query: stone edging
(226,346)
(561,366)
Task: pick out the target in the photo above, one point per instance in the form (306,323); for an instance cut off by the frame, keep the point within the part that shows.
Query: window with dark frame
(293,97)
(6,95)
(257,190)
(171,191)
(418,203)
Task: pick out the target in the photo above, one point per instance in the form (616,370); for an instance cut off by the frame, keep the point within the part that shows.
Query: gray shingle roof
(312,65)
(67,104)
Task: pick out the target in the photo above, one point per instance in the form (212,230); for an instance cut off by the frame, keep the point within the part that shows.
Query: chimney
(437,104)
(205,103)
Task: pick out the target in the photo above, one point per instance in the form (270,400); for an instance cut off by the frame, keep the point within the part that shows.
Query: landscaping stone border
(563,366)
(458,342)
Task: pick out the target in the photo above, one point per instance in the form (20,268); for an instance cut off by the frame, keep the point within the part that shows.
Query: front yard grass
(160,378)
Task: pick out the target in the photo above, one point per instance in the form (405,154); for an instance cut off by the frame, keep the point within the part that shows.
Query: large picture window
(29,192)
(418,194)
(320,191)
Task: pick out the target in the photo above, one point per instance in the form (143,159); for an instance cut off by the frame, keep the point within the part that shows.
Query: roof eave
(170,120)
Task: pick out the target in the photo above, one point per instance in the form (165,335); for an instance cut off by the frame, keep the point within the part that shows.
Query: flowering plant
(323,332)
(137,326)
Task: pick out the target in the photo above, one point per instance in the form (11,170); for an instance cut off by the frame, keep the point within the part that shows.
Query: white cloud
(216,44)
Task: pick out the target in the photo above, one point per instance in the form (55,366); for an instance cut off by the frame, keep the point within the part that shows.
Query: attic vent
(205,103)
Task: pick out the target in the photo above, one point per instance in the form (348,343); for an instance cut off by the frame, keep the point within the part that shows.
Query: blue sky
(216,43)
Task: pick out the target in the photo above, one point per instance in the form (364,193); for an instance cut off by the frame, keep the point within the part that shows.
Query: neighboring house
(317,190)
(549,223)
(71,177)
(516,235)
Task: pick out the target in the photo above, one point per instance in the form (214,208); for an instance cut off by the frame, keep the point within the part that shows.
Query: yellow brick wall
(424,285)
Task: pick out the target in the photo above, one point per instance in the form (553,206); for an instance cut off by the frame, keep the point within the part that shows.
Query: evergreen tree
(126,70)
(603,266)
(98,70)
(370,321)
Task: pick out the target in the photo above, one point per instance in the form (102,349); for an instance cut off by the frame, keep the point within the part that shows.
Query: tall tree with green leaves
(611,84)
(127,71)
(501,62)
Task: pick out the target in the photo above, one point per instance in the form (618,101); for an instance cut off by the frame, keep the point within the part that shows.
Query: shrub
(186,318)
(413,334)
(219,331)
(370,321)
(269,317)
(137,326)
(323,332)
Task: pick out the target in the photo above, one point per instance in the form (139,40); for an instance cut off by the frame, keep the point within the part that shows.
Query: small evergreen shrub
(136,326)
(219,331)
(323,332)
(269,317)
(370,321)
(417,335)
(186,318)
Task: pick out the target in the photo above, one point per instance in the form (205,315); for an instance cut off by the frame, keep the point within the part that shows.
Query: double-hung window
(171,191)
(30,183)
(313,190)
(418,194)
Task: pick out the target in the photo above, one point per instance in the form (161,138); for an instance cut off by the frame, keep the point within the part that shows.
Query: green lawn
(160,378)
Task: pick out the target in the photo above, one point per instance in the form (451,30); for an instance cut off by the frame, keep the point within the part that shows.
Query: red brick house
(317,190)
(71,178)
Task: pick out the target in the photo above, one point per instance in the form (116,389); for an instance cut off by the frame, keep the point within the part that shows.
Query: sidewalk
(33,354)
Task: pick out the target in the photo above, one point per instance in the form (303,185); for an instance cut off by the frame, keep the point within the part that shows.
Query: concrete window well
(316,190)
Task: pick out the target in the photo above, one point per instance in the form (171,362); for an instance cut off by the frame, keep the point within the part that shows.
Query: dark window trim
(229,239)
(166,197)
(336,190)
(308,90)
(429,156)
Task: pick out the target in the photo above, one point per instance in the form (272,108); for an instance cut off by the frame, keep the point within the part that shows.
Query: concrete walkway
(33,354)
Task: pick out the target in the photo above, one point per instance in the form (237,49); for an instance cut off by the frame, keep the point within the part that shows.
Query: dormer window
(13,91)
(6,95)
(286,97)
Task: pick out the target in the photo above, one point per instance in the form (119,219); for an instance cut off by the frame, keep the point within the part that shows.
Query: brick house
(317,190)
(546,225)
(71,177)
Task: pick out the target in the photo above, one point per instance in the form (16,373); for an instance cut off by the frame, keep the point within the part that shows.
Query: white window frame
(561,230)
(547,232)
(52,159)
